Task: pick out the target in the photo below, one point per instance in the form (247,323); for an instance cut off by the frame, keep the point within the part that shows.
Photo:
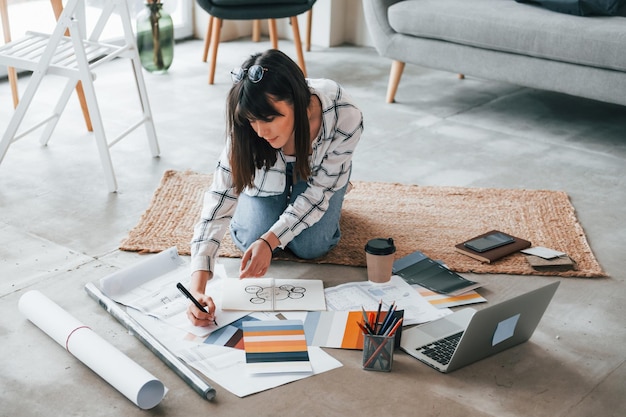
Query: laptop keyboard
(441,351)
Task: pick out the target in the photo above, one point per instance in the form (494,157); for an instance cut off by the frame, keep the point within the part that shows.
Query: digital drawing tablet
(492,241)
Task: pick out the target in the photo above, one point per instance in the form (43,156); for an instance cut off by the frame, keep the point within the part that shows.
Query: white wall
(335,22)
(355,31)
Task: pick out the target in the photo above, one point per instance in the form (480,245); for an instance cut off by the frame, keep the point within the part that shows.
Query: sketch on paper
(269,294)
(261,295)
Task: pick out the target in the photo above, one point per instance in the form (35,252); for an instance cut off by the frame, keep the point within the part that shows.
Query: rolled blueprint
(182,370)
(125,375)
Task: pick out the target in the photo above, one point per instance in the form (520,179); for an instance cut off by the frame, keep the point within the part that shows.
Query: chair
(256,34)
(57,7)
(220,10)
(75,57)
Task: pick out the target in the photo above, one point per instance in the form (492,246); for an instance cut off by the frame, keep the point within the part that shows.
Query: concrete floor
(60,228)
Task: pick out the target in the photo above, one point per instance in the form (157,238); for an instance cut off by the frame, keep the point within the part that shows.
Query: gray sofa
(503,40)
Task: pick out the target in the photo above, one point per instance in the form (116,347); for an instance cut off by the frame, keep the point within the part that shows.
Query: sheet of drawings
(364,294)
(159,297)
(150,287)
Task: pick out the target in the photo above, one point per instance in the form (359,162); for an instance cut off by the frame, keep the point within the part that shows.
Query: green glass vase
(155,38)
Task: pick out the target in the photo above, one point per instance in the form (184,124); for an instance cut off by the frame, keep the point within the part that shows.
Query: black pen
(193,299)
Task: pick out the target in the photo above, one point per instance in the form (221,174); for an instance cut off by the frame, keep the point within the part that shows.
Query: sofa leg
(394,79)
(461,76)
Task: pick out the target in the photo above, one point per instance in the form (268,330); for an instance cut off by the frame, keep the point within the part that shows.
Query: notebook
(272,294)
(467,336)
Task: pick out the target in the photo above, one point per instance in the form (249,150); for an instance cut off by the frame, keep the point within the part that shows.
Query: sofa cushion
(581,7)
(504,25)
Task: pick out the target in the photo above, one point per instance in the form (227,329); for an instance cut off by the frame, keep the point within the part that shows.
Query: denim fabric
(255,215)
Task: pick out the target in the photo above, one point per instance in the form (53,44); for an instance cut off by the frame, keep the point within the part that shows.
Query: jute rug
(425,218)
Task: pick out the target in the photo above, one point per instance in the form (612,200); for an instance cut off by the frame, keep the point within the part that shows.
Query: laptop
(468,335)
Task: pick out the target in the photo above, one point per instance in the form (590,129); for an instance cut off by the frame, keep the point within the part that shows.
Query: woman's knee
(253,217)
(312,245)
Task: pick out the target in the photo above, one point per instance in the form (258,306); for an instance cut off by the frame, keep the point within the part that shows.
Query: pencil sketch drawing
(262,295)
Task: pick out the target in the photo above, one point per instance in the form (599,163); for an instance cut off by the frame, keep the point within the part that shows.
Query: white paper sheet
(227,367)
(150,287)
(542,252)
(365,294)
(125,375)
(125,280)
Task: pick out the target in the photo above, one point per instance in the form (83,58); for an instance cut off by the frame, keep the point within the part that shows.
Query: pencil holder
(378,352)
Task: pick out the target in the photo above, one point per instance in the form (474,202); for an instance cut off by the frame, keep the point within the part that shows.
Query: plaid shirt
(331,162)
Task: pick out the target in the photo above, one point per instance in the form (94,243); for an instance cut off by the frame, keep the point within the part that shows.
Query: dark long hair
(282,81)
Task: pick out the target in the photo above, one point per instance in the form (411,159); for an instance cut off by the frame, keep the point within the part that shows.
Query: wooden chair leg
(13,81)
(397,67)
(256,30)
(57,8)
(4,15)
(298,43)
(83,105)
(273,33)
(207,40)
(309,24)
(215,42)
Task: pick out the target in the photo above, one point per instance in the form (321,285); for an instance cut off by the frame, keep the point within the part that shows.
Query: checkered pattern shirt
(331,162)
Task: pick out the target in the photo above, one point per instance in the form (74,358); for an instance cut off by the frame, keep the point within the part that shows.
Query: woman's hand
(199,317)
(196,316)
(256,260)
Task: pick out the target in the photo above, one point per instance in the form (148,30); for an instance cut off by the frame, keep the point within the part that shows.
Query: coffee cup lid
(380,246)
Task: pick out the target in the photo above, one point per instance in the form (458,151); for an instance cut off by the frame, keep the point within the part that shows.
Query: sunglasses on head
(255,73)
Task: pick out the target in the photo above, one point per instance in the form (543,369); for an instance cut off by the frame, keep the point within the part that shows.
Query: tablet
(492,241)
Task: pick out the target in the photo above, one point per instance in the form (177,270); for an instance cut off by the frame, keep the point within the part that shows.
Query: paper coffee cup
(379,254)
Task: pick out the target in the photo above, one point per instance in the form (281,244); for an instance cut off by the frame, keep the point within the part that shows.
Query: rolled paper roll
(125,375)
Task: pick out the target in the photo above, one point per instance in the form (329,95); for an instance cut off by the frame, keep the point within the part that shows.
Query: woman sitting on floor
(282,177)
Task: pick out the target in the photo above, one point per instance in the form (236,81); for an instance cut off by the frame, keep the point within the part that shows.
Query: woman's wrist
(272,241)
(199,280)
(269,245)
